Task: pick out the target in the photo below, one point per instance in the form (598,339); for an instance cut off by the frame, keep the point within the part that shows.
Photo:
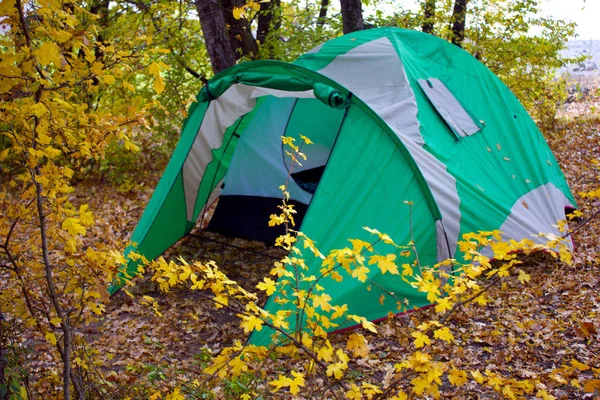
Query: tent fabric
(385,87)
(396,116)
(449,108)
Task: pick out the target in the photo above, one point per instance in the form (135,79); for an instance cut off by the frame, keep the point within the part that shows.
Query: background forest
(93,97)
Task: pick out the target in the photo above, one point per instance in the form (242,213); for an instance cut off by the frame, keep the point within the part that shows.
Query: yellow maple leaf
(523,277)
(420,339)
(307,340)
(385,263)
(159,84)
(250,323)
(339,311)
(268,285)
(444,334)
(85,216)
(51,337)
(361,273)
(354,393)
(275,219)
(280,382)
(358,245)
(337,369)
(296,382)
(357,344)
(221,300)
(370,390)
(542,394)
(73,226)
(108,79)
(325,353)
(477,376)
(98,308)
(368,325)
(443,304)
(322,301)
(457,378)
(420,384)
(400,396)
(238,366)
(419,361)
(175,395)
(48,53)
(44,139)
(239,12)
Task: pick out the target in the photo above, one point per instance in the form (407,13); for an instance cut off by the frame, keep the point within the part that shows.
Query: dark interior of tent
(245,215)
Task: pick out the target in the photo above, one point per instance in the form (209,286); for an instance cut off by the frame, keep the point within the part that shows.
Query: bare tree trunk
(218,46)
(458,21)
(352,18)
(240,32)
(60,312)
(428,16)
(269,19)
(323,13)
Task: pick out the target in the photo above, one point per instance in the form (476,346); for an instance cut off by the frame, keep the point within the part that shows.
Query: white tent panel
(534,213)
(222,112)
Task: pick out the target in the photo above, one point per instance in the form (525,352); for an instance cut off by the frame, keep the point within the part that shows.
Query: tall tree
(428,16)
(268,19)
(238,29)
(352,18)
(218,45)
(323,12)
(458,21)
(228,32)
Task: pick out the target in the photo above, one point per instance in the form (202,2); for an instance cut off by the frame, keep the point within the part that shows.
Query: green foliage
(300,31)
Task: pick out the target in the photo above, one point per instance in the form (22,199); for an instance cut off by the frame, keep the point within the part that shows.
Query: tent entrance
(260,164)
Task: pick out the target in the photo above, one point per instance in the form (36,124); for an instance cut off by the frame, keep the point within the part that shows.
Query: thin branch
(582,224)
(25,29)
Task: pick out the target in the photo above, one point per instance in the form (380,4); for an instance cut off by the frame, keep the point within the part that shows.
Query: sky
(586,13)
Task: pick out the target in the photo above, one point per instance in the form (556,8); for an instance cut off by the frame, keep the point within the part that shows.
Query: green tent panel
(395,116)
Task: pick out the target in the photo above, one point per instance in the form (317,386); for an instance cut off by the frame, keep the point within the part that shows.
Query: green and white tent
(395,116)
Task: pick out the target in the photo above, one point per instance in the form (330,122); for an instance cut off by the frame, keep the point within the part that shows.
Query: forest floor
(526,331)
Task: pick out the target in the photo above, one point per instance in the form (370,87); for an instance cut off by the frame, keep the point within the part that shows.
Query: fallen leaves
(542,324)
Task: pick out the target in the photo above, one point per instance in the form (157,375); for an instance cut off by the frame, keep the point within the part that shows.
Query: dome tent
(395,116)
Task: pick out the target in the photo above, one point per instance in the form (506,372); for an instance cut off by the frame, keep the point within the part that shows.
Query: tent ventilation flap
(449,108)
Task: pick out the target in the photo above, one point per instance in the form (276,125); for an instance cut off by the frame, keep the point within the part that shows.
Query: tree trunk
(100,8)
(218,46)
(428,16)
(240,32)
(458,22)
(268,19)
(323,13)
(352,18)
